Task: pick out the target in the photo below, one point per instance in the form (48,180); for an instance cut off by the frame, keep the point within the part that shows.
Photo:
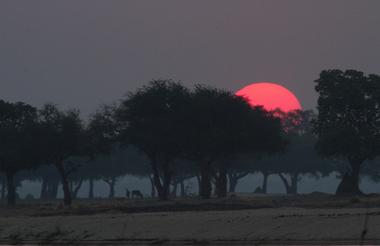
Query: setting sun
(270,95)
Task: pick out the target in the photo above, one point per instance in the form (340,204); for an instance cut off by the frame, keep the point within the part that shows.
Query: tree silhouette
(371,170)
(49,177)
(301,157)
(213,132)
(62,137)
(101,131)
(18,124)
(153,119)
(184,169)
(138,165)
(111,167)
(233,178)
(348,122)
(222,127)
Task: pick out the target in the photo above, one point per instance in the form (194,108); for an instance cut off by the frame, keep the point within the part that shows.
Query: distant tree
(78,175)
(101,131)
(153,120)
(348,122)
(138,165)
(50,181)
(101,134)
(18,124)
(62,137)
(241,167)
(300,156)
(112,167)
(371,170)
(184,170)
(49,178)
(234,175)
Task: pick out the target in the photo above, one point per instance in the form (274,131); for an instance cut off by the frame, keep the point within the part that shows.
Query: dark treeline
(168,133)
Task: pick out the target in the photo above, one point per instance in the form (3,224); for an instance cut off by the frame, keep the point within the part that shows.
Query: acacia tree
(101,133)
(299,157)
(184,169)
(348,122)
(18,123)
(153,119)
(49,178)
(234,176)
(371,170)
(223,126)
(111,167)
(242,166)
(62,136)
(138,165)
(213,133)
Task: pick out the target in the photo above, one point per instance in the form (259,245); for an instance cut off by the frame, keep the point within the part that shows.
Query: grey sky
(83,53)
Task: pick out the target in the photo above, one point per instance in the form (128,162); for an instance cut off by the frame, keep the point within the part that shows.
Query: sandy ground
(281,225)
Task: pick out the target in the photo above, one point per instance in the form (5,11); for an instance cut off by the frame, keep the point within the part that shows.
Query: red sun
(270,95)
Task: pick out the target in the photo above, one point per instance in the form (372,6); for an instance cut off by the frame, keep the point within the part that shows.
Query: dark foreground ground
(243,220)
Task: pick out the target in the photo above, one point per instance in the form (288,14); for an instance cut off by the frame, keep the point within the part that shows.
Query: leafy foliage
(348,123)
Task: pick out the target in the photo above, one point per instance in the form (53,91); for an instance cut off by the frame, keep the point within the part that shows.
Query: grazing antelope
(137,194)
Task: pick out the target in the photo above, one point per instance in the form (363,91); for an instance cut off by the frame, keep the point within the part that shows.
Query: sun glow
(270,95)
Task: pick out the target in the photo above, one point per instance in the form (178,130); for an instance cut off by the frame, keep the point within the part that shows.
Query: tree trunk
(153,189)
(265,183)
(166,181)
(157,181)
(91,188)
(221,183)
(232,183)
(3,187)
(65,183)
(53,189)
(183,191)
(11,188)
(233,178)
(286,183)
(294,184)
(112,188)
(43,193)
(205,187)
(77,188)
(350,181)
(199,184)
(71,185)
(174,191)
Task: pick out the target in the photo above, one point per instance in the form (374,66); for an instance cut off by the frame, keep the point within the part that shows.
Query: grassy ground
(244,219)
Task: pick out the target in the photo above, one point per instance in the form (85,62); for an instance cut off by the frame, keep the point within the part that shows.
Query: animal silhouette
(137,194)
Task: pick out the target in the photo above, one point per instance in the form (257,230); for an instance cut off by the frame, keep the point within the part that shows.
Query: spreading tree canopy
(18,134)
(62,137)
(223,126)
(348,122)
(154,120)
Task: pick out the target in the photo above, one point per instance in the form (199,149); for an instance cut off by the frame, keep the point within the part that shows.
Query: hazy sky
(83,53)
